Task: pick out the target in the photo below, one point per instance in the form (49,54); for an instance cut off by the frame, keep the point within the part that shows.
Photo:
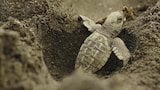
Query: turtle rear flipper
(120,50)
(90,24)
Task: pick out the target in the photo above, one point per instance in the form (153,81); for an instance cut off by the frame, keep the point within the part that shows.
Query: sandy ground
(44,23)
(96,9)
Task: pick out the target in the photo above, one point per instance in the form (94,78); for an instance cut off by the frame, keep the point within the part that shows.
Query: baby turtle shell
(94,53)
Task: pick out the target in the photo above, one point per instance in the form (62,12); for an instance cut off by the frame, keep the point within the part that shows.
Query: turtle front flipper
(120,50)
(90,24)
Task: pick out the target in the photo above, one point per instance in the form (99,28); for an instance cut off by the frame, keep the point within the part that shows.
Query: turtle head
(114,22)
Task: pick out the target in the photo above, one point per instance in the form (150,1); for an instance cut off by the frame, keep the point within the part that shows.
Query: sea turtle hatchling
(97,48)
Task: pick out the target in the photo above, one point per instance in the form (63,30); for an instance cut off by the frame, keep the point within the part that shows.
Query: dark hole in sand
(61,54)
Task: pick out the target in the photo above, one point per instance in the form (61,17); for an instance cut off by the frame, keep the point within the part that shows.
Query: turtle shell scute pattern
(94,53)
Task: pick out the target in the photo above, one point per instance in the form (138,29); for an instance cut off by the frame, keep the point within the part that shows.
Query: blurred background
(96,9)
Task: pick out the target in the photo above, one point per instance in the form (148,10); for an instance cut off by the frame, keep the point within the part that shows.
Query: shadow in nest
(114,64)
(60,49)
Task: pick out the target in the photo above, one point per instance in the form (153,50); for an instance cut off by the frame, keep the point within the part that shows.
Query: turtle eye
(119,20)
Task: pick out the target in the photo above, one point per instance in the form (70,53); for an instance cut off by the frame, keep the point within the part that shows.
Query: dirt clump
(21,61)
(83,81)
